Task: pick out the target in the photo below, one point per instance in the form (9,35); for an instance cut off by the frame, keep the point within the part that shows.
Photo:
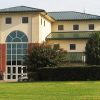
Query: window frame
(24,21)
(76,27)
(91,26)
(72,46)
(60,27)
(8,20)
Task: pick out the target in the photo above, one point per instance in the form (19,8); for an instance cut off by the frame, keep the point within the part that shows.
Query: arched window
(17,45)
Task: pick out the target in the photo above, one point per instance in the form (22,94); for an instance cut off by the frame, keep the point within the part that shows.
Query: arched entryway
(17,45)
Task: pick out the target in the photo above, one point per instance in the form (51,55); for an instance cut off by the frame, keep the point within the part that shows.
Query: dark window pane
(19,57)
(75,27)
(91,26)
(8,46)
(60,27)
(19,51)
(9,39)
(14,57)
(13,62)
(24,19)
(24,51)
(24,70)
(14,51)
(13,34)
(19,34)
(19,70)
(18,62)
(24,39)
(13,46)
(16,40)
(9,70)
(8,76)
(8,62)
(25,45)
(14,69)
(72,46)
(8,20)
(14,77)
(8,51)
(19,45)
(8,57)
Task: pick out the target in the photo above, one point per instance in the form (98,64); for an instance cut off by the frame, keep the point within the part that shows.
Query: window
(44,23)
(41,21)
(75,27)
(56,46)
(72,46)
(91,26)
(24,19)
(8,20)
(60,27)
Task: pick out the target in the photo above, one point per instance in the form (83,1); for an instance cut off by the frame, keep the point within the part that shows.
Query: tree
(42,55)
(93,49)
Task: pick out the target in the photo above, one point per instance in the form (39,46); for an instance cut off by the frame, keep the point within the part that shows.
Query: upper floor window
(8,20)
(41,21)
(75,27)
(44,22)
(60,27)
(91,26)
(72,46)
(24,19)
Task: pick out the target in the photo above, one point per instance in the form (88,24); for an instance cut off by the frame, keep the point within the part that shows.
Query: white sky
(90,6)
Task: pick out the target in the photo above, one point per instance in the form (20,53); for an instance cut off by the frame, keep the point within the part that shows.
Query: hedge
(69,74)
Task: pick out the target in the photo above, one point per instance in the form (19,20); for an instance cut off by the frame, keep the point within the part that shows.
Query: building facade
(21,26)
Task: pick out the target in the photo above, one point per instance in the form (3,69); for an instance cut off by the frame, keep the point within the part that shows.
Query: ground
(86,90)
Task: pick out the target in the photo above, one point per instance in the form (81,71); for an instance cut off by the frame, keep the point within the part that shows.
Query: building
(21,26)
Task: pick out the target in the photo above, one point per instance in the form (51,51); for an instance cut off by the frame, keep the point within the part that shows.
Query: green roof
(20,9)
(68,35)
(71,15)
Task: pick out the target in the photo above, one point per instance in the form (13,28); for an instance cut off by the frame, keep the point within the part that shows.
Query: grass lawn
(89,90)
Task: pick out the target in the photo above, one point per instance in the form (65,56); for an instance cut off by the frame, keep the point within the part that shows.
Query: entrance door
(14,72)
(17,45)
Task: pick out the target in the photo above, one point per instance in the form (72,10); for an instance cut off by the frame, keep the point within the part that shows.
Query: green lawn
(50,91)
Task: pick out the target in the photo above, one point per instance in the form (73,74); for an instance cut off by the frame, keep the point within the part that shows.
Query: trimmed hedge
(69,74)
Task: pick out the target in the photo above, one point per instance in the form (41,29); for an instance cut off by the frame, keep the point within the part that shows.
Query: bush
(42,55)
(69,74)
(93,49)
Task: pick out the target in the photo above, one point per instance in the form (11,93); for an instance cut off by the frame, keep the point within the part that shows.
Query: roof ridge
(74,12)
(21,6)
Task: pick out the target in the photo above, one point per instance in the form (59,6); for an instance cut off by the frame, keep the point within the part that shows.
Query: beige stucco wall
(65,44)
(34,30)
(44,30)
(6,29)
(68,25)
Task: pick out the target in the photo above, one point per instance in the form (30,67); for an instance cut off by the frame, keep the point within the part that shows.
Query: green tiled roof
(71,15)
(20,9)
(68,35)
(74,56)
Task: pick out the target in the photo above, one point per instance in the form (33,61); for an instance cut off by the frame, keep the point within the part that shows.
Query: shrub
(93,49)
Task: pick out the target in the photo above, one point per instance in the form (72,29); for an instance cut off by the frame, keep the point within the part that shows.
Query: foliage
(93,49)
(42,55)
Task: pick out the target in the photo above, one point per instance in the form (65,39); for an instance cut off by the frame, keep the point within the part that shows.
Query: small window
(56,46)
(91,26)
(60,27)
(24,19)
(44,23)
(8,20)
(75,27)
(72,46)
(41,21)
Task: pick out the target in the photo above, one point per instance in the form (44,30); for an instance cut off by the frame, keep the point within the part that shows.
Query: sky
(87,6)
